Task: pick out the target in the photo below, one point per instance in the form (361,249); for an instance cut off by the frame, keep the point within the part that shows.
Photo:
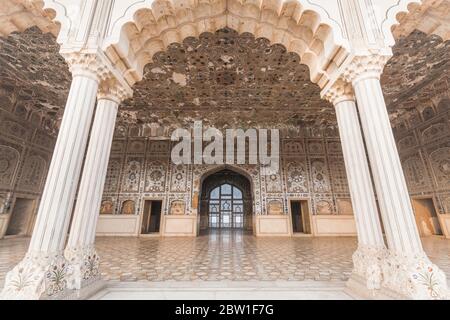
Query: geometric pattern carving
(296,176)
(179,178)
(273,183)
(155,176)
(339,175)
(113,175)
(319,176)
(132,175)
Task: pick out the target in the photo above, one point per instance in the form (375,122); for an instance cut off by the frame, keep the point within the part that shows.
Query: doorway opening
(300,217)
(226,202)
(21,216)
(426,217)
(151,218)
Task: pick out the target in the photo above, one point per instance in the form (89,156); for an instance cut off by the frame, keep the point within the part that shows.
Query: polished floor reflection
(224,256)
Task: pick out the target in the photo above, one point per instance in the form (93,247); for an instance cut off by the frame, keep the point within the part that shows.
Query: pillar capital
(95,65)
(111,89)
(86,64)
(365,67)
(339,92)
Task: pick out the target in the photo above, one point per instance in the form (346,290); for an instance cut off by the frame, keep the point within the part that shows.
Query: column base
(84,266)
(367,265)
(414,276)
(37,276)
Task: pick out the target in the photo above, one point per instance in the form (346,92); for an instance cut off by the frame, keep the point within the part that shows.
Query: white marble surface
(223,290)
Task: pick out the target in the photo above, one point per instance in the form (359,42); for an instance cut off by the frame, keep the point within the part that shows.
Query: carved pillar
(407,269)
(43,271)
(80,250)
(371,249)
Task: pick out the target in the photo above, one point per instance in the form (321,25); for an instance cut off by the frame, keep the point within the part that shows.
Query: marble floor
(224,256)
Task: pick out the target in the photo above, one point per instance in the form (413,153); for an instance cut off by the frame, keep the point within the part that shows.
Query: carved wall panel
(128,207)
(324,207)
(435,131)
(107,207)
(440,160)
(275,207)
(177,208)
(319,175)
(155,176)
(113,175)
(274,183)
(132,175)
(32,173)
(178,179)
(415,173)
(339,175)
(344,206)
(296,176)
(9,161)
(316,147)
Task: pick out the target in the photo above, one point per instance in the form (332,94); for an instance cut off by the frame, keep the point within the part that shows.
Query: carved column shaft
(360,182)
(371,248)
(80,251)
(398,217)
(49,234)
(407,271)
(43,271)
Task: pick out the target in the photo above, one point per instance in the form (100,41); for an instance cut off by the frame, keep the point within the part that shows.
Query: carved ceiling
(223,78)
(228,80)
(414,75)
(34,78)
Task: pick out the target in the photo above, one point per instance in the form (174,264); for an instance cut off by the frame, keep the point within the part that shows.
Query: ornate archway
(148,27)
(226,201)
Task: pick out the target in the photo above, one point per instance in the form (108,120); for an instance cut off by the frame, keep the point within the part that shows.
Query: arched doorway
(226,201)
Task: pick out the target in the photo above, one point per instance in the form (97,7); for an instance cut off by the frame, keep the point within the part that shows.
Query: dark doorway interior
(20,217)
(296,212)
(152,216)
(300,216)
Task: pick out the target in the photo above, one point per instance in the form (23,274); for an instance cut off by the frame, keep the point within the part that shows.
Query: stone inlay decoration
(416,74)
(246,81)
(34,78)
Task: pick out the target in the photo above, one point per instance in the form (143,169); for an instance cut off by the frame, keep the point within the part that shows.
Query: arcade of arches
(348,185)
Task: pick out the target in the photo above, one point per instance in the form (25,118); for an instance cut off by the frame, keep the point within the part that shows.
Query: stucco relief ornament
(365,67)
(339,92)
(37,275)
(84,266)
(414,276)
(86,64)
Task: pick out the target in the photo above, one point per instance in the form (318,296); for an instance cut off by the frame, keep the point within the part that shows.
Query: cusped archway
(226,200)
(151,26)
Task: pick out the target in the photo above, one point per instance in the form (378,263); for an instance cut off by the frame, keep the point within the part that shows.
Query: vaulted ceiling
(224,79)
(228,80)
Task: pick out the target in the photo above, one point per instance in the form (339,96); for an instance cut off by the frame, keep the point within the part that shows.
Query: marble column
(43,270)
(371,248)
(407,269)
(80,250)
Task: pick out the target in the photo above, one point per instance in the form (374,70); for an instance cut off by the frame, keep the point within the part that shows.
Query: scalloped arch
(148,26)
(47,15)
(402,6)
